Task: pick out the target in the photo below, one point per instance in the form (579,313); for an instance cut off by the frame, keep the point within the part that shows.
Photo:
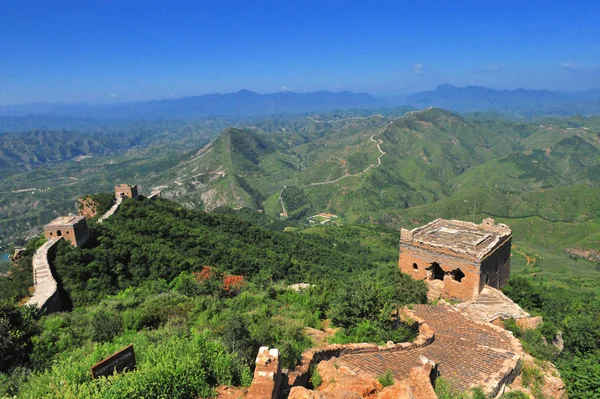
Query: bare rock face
(396,391)
(340,380)
(87,207)
(303,393)
(530,323)
(553,387)
(558,341)
(550,385)
(17,255)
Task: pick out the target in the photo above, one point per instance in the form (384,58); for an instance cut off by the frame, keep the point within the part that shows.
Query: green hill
(435,164)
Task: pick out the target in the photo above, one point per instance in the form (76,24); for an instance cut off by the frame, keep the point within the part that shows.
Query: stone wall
(495,268)
(45,294)
(266,383)
(466,289)
(111,211)
(300,375)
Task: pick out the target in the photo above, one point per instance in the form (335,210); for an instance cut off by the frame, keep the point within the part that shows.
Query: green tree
(17,325)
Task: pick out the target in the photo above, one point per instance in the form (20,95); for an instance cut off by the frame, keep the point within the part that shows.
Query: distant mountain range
(246,103)
(524,102)
(243,103)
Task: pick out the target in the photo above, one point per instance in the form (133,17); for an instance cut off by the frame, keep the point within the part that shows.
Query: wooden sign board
(122,360)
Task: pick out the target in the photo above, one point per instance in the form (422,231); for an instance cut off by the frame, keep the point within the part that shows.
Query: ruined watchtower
(72,228)
(125,190)
(457,258)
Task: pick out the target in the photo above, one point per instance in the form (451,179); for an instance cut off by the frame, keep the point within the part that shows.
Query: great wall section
(45,287)
(452,343)
(111,211)
(466,344)
(45,295)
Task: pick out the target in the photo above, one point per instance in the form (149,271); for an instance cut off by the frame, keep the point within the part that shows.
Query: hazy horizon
(112,52)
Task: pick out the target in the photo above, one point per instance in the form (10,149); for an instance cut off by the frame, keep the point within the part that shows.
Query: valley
(379,168)
(312,200)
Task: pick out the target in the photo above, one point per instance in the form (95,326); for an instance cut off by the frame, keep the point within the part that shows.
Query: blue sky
(114,51)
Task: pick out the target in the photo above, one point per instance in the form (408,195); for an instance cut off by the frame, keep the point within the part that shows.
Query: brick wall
(266,383)
(496,267)
(466,289)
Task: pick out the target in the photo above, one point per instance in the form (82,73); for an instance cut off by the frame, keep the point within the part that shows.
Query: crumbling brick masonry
(457,258)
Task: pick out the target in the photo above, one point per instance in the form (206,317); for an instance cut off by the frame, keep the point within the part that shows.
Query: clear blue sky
(114,51)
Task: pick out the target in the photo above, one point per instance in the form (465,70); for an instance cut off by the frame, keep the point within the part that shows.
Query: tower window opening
(457,275)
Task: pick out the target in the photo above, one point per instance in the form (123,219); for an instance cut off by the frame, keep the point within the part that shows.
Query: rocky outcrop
(87,207)
(491,305)
(547,383)
(558,341)
(530,323)
(339,382)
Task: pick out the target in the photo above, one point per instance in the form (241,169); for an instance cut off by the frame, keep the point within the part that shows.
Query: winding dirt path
(377,142)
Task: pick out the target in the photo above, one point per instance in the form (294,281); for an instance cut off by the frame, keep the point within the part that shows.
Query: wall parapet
(300,375)
(266,383)
(45,294)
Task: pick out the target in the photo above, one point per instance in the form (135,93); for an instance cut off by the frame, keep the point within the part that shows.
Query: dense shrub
(180,367)
(576,315)
(17,325)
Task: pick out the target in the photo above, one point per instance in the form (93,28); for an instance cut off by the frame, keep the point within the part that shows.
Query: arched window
(58,233)
(415,266)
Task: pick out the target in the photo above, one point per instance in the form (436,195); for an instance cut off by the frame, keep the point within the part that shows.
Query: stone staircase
(44,284)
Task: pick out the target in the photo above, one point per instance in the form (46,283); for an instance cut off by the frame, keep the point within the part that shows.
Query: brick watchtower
(125,190)
(457,258)
(72,228)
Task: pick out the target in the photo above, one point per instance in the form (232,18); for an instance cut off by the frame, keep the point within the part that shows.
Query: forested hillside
(408,171)
(202,291)
(197,294)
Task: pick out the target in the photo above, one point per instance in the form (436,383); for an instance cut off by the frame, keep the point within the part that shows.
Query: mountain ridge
(246,104)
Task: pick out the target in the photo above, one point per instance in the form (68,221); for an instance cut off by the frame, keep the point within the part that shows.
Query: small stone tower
(72,228)
(125,190)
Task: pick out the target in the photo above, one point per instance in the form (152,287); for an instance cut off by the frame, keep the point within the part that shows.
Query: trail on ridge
(377,142)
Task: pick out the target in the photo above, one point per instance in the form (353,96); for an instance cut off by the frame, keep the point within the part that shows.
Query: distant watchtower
(457,259)
(72,228)
(125,190)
